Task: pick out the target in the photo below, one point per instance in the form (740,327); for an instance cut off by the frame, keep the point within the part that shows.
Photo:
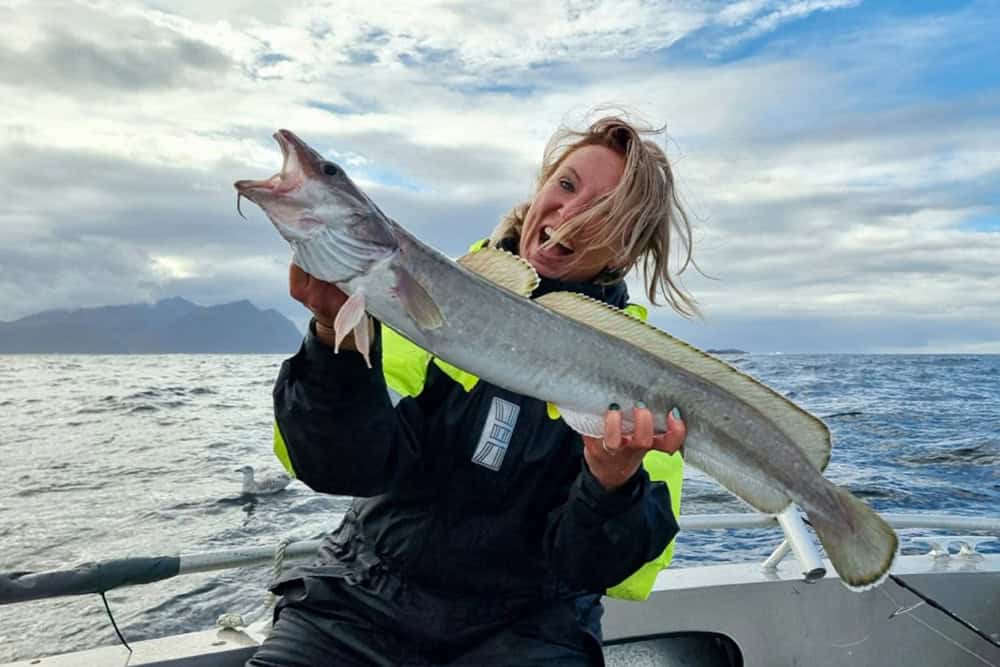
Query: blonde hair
(637,219)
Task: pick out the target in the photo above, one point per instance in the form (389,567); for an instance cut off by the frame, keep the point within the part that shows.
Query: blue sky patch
(988,224)
(351,106)
(272,58)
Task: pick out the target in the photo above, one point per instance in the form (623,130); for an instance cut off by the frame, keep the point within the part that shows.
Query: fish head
(309,194)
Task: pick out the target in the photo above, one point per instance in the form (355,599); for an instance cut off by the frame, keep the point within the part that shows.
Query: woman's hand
(615,458)
(323,299)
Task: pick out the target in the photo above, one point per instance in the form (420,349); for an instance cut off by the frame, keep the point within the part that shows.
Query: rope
(230,621)
(276,567)
(233,621)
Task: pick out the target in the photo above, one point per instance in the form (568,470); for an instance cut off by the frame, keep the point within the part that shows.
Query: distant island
(167,326)
(726,350)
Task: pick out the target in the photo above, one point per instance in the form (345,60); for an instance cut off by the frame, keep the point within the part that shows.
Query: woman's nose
(566,211)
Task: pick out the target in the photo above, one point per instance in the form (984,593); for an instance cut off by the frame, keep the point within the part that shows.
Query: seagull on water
(265,486)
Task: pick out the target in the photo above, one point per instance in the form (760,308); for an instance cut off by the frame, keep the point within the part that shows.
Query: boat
(937,608)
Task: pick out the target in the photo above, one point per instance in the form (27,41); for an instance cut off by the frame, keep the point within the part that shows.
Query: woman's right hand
(323,299)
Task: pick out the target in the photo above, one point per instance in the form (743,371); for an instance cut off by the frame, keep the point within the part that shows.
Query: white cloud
(818,189)
(176,268)
(765,17)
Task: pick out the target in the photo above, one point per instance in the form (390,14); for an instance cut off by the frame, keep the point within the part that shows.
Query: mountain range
(170,325)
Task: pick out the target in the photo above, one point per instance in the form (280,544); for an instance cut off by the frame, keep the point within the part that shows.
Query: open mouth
(289,179)
(559,247)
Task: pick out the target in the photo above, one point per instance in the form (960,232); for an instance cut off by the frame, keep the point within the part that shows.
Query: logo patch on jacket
(496,434)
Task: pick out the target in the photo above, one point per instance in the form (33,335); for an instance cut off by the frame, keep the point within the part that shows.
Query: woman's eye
(566,185)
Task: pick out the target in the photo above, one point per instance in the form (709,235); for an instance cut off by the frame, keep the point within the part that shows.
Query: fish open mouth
(289,179)
(560,247)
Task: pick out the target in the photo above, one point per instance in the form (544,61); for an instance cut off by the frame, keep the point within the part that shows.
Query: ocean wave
(982,454)
(158,479)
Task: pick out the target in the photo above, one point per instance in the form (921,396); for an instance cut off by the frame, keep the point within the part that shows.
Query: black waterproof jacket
(469,493)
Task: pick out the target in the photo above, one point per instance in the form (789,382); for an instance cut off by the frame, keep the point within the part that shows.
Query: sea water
(114,456)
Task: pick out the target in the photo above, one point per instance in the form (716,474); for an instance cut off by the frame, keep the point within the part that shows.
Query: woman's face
(586,174)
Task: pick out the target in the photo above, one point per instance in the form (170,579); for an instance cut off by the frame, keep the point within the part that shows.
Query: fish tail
(859,543)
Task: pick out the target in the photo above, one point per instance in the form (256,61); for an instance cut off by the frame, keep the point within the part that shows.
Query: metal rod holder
(771,564)
(801,544)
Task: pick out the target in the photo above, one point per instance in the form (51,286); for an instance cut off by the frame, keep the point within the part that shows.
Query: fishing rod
(931,602)
(103,576)
(940,607)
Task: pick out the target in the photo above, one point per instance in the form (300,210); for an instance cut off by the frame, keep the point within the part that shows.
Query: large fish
(572,351)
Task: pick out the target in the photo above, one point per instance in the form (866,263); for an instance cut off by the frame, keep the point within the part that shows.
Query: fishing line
(940,607)
(934,603)
(940,634)
(111,616)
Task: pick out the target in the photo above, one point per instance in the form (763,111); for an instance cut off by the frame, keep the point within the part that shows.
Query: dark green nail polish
(676,413)
(639,405)
(614,406)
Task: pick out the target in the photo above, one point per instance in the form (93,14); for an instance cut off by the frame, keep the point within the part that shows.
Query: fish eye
(330,169)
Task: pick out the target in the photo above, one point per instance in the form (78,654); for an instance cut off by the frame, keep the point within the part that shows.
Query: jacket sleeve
(598,538)
(340,430)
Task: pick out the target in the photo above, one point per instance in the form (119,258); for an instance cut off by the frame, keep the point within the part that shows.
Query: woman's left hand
(615,458)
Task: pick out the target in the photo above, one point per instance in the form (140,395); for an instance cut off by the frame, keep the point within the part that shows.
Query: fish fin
(362,340)
(861,545)
(502,268)
(348,318)
(808,432)
(736,469)
(417,303)
(584,423)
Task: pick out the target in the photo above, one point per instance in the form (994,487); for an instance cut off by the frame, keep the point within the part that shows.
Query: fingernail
(639,405)
(676,414)
(614,406)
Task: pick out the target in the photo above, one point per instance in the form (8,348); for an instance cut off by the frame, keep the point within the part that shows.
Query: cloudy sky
(839,158)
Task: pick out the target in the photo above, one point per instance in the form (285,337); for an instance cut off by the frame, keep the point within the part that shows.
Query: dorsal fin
(502,268)
(804,429)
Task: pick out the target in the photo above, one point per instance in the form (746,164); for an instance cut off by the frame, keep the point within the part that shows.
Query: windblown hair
(637,219)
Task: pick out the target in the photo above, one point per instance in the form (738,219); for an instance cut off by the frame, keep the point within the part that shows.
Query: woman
(484,529)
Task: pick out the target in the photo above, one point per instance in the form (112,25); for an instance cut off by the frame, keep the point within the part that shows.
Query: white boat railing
(102,576)
(737,521)
(798,539)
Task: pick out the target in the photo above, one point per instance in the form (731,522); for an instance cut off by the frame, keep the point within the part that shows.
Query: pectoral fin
(583,423)
(348,317)
(362,340)
(417,303)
